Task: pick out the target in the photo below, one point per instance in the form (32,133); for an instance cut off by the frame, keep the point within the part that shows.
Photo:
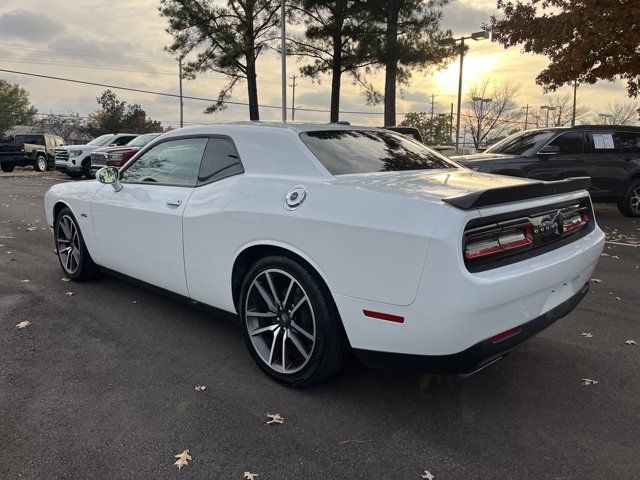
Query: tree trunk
(336,74)
(391,67)
(252,89)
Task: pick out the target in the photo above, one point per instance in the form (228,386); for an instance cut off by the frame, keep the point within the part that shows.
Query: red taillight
(506,334)
(498,240)
(575,220)
(383,316)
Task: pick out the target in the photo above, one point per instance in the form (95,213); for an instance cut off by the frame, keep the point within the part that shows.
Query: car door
(609,163)
(561,158)
(138,229)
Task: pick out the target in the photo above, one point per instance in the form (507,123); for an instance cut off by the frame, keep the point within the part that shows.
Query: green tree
(115,115)
(436,131)
(336,39)
(15,108)
(409,38)
(228,40)
(585,40)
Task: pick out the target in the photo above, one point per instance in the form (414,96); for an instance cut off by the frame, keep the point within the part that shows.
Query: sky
(121,42)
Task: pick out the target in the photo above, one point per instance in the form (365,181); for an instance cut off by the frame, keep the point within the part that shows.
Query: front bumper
(475,357)
(68,167)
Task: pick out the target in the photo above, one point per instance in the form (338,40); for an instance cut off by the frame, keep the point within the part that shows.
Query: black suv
(610,155)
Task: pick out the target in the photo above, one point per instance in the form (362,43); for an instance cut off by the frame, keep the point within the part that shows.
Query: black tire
(7,167)
(74,174)
(629,203)
(41,163)
(325,354)
(77,264)
(86,169)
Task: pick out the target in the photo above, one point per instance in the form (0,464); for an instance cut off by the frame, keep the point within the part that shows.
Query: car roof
(296,128)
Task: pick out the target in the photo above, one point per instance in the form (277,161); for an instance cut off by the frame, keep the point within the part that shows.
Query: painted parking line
(623,244)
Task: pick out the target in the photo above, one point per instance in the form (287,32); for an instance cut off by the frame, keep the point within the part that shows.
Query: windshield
(101,140)
(366,151)
(142,140)
(520,143)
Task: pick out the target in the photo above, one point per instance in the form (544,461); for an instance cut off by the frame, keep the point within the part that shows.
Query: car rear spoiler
(516,193)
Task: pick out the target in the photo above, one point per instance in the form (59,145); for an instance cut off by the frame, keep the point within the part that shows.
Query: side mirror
(550,150)
(111,176)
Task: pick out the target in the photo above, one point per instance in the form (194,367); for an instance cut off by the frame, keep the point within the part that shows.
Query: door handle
(174,203)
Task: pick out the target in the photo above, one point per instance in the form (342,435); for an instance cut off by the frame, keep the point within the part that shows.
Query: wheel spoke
(286,295)
(260,331)
(284,351)
(298,305)
(65,228)
(265,296)
(68,261)
(273,344)
(272,288)
(294,339)
(302,331)
(76,257)
(253,313)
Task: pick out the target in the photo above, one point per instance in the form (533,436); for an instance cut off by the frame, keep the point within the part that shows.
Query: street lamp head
(480,99)
(483,35)
(476,99)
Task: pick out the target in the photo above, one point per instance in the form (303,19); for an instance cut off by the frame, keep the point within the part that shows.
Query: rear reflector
(506,334)
(383,316)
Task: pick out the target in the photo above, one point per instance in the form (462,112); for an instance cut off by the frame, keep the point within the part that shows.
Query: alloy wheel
(68,244)
(42,164)
(280,321)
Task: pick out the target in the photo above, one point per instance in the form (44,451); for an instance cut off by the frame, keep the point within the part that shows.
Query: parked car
(411,132)
(449,150)
(610,155)
(118,156)
(35,149)
(328,237)
(75,160)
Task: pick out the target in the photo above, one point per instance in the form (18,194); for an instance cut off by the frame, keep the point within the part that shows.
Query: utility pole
(283,47)
(573,116)
(181,102)
(293,98)
(433,101)
(526,116)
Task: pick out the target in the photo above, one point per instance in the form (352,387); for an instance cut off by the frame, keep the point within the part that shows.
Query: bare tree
(69,126)
(620,114)
(560,114)
(490,119)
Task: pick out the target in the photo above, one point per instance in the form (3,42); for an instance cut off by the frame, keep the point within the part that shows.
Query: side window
(630,142)
(175,162)
(118,142)
(221,160)
(607,142)
(59,142)
(569,143)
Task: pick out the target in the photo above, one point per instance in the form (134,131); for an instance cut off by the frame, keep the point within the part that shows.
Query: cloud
(464,18)
(30,26)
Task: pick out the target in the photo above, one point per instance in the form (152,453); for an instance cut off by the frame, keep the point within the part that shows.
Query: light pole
(452,41)
(482,102)
(283,46)
(547,108)
(604,117)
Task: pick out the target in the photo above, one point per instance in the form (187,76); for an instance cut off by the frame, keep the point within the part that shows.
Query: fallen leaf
(23,324)
(64,279)
(250,476)
(275,418)
(615,257)
(587,334)
(135,301)
(428,475)
(630,342)
(604,254)
(25,281)
(8,253)
(617,298)
(588,381)
(200,388)
(182,459)
(31,229)
(68,294)
(596,280)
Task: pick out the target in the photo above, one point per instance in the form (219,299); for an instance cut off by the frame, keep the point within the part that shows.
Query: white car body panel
(384,241)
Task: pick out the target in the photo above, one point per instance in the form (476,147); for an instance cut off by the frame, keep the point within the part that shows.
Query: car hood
(431,184)
(77,147)
(482,156)
(117,149)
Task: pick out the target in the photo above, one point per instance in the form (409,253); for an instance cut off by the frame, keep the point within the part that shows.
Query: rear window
(35,139)
(367,151)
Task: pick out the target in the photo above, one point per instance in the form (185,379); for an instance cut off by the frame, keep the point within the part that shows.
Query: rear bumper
(18,160)
(475,357)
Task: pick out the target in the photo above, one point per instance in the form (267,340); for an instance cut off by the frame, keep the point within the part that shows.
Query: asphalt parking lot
(101,384)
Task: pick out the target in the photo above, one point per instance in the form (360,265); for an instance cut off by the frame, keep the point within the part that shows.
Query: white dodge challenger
(330,238)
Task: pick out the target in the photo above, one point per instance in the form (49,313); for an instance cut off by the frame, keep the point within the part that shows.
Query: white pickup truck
(75,160)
